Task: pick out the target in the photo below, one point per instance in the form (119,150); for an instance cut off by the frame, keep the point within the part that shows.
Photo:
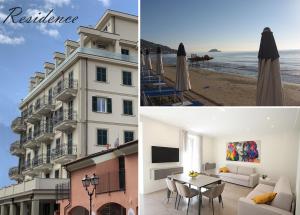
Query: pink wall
(129,199)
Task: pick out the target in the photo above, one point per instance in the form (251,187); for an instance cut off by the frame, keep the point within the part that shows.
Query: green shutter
(109,105)
(94,98)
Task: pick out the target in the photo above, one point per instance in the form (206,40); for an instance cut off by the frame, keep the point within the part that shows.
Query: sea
(246,63)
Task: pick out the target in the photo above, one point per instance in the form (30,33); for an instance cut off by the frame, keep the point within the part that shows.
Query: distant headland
(214,50)
(153,46)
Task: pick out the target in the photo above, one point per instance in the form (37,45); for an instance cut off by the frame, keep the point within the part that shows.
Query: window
(127,107)
(50,96)
(125,51)
(56,173)
(127,78)
(102,105)
(105,29)
(122,173)
(47,175)
(101,74)
(128,136)
(102,137)
(70,143)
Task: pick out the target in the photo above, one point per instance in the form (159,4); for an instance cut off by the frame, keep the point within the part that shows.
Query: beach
(228,89)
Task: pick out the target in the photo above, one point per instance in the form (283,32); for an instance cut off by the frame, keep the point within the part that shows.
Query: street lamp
(86,182)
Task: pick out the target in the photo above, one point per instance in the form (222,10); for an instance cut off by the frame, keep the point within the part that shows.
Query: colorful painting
(245,151)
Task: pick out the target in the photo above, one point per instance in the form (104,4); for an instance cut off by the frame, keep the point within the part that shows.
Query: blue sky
(231,25)
(25,47)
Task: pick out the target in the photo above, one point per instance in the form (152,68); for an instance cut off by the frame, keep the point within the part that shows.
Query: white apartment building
(84,102)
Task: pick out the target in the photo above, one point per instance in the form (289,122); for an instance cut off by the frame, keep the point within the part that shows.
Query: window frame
(127,114)
(127,131)
(102,129)
(123,80)
(107,105)
(101,81)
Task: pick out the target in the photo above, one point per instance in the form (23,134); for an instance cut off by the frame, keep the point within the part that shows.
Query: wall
(155,133)
(207,147)
(298,183)
(278,153)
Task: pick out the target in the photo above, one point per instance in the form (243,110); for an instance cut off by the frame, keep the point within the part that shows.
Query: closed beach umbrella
(159,62)
(142,59)
(148,60)
(269,88)
(182,73)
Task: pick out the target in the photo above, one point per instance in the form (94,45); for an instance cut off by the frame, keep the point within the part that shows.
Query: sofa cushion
(227,174)
(264,198)
(232,168)
(242,177)
(284,197)
(254,193)
(243,170)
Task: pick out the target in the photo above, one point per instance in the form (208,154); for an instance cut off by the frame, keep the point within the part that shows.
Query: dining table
(200,181)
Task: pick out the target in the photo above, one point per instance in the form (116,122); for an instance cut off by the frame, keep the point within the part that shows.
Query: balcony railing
(14,173)
(16,148)
(62,191)
(32,116)
(65,90)
(44,133)
(18,125)
(30,141)
(42,162)
(27,165)
(111,182)
(65,120)
(44,105)
(63,154)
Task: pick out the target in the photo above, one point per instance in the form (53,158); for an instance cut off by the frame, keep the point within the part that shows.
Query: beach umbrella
(148,60)
(269,87)
(159,63)
(142,59)
(182,74)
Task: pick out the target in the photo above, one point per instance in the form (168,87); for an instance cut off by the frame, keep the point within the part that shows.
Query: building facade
(84,102)
(117,191)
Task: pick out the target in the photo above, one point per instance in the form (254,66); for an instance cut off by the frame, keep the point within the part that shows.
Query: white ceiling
(218,121)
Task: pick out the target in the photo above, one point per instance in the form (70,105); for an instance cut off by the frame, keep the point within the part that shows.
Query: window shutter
(109,105)
(94,103)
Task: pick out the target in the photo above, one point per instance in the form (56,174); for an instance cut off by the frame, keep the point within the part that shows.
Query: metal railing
(27,164)
(64,116)
(17,122)
(63,150)
(15,145)
(45,128)
(13,171)
(42,102)
(111,182)
(65,84)
(62,191)
(40,160)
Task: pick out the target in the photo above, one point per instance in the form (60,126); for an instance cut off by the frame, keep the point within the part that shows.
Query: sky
(231,25)
(25,47)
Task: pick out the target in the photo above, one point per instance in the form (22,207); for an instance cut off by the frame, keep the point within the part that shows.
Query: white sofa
(281,205)
(241,175)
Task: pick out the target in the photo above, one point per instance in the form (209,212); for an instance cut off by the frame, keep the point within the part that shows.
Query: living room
(254,152)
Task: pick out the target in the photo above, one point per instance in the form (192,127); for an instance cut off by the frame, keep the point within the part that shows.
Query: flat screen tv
(164,154)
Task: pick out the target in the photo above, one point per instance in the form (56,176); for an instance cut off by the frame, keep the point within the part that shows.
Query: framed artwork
(243,151)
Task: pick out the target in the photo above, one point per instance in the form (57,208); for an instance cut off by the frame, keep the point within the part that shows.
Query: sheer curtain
(192,153)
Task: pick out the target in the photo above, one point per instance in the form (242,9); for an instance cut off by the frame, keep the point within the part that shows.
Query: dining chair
(213,193)
(185,191)
(171,189)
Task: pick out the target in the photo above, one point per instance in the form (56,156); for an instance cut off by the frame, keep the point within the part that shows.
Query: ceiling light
(268,118)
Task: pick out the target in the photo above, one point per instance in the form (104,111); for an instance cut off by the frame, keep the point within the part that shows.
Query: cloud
(5,39)
(105,3)
(54,3)
(50,32)
(48,29)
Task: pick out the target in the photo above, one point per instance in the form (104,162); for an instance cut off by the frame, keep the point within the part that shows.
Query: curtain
(192,153)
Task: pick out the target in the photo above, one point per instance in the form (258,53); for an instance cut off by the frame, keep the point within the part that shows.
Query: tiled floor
(156,203)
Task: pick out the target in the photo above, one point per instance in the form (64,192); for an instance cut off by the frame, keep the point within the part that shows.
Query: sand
(228,89)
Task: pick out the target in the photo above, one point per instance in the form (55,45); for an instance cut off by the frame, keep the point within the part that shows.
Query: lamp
(86,182)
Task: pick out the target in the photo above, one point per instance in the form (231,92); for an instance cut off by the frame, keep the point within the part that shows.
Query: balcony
(28,169)
(65,121)
(66,90)
(18,125)
(33,117)
(15,174)
(45,134)
(41,163)
(30,143)
(16,148)
(44,106)
(64,154)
